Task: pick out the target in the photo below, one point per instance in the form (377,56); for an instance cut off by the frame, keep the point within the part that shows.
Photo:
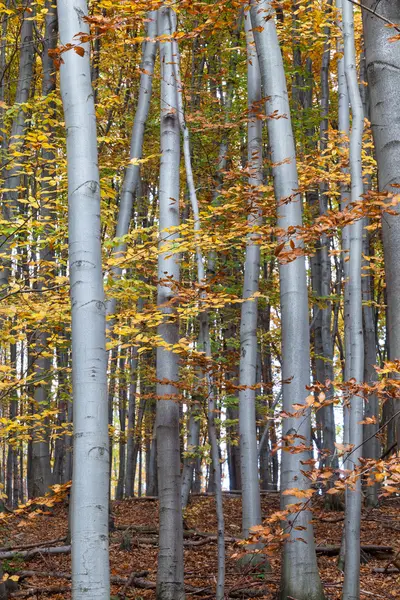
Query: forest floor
(46,575)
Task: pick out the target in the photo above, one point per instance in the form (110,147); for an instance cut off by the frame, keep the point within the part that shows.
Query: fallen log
(135,579)
(208,538)
(213,536)
(38,591)
(388,571)
(138,528)
(333,550)
(61,575)
(34,545)
(34,552)
(249,593)
(187,533)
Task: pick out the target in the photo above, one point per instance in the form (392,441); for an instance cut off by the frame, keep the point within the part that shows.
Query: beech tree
(382,56)
(170,556)
(89,506)
(300,577)
(356,343)
(248,323)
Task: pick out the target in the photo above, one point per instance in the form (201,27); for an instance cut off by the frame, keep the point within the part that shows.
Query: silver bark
(132,172)
(300,577)
(383,71)
(90,497)
(251,504)
(16,141)
(351,586)
(204,335)
(41,468)
(170,556)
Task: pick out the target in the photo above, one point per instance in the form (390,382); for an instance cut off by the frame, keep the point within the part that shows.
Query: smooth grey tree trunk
(193,438)
(12,498)
(351,585)
(90,490)
(170,556)
(344,128)
(41,468)
(122,402)
(300,577)
(61,442)
(151,465)
(233,449)
(325,366)
(251,504)
(131,435)
(132,172)
(383,72)
(16,141)
(372,447)
(204,335)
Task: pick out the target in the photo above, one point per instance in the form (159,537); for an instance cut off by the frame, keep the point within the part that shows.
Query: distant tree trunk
(60,444)
(3,63)
(122,398)
(371,448)
(204,342)
(170,557)
(383,71)
(251,504)
(193,439)
(41,467)
(344,128)
(233,449)
(67,475)
(112,382)
(12,174)
(90,491)
(130,434)
(300,577)
(151,466)
(12,496)
(132,172)
(325,371)
(351,585)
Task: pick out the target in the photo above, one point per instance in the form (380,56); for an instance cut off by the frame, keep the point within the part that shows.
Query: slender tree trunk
(122,398)
(344,128)
(90,491)
(131,435)
(371,448)
(12,500)
(170,557)
(204,336)
(251,504)
(327,414)
(60,444)
(41,467)
(132,172)
(192,449)
(233,449)
(300,577)
(151,468)
(351,586)
(12,174)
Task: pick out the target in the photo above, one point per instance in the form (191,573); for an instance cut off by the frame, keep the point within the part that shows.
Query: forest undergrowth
(133,550)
